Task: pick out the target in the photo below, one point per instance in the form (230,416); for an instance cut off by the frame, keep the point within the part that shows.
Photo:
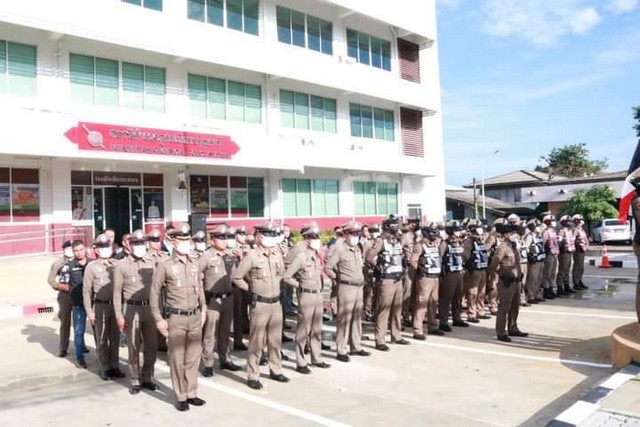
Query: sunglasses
(153,239)
(269,233)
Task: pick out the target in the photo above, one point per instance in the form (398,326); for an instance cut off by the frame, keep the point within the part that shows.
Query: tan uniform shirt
(260,272)
(52,280)
(305,270)
(157,256)
(97,282)
(344,263)
(505,261)
(294,251)
(407,242)
(181,281)
(132,280)
(490,243)
(217,279)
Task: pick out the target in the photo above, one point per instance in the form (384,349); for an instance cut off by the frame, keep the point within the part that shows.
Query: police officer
(582,246)
(260,273)
(155,252)
(239,247)
(451,282)
(491,243)
(476,260)
(219,267)
(199,242)
(523,255)
(505,263)
(370,282)
(552,250)
(388,257)
(304,272)
(132,280)
(177,282)
(425,260)
(344,266)
(409,238)
(59,280)
(337,239)
(567,246)
(97,295)
(536,256)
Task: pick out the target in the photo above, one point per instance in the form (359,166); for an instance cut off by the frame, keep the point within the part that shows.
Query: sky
(525,76)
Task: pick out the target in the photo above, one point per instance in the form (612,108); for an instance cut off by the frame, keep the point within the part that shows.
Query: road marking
(308,416)
(565,313)
(610,277)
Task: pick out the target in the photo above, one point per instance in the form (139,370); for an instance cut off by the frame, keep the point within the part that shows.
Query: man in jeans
(76,277)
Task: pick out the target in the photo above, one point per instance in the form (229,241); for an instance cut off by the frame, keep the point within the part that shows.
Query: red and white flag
(628,189)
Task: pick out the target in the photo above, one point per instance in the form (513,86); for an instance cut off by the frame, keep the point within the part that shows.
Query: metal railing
(21,243)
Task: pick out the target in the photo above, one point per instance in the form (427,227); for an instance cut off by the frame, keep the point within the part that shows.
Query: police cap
(219,231)
(266,229)
(101,241)
(136,237)
(180,232)
(199,236)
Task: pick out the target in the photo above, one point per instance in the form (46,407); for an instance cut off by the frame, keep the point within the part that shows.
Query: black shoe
(382,347)
(518,334)
(473,320)
(286,338)
(504,338)
(402,341)
(279,377)
(263,361)
(196,401)
(460,323)
(437,332)
(105,375)
(240,347)
(303,370)
(307,349)
(324,346)
(484,317)
(182,406)
(322,365)
(537,300)
(568,290)
(207,372)
(559,293)
(525,304)
(343,358)
(229,366)
(583,286)
(135,389)
(548,294)
(283,356)
(62,353)
(444,327)
(419,337)
(363,353)
(494,313)
(81,364)
(149,386)
(85,350)
(532,301)
(254,384)
(117,373)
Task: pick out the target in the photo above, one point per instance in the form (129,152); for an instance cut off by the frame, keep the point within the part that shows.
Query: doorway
(119,208)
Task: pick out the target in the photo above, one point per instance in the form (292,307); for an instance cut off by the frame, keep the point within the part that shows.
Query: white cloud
(540,23)
(618,7)
(620,51)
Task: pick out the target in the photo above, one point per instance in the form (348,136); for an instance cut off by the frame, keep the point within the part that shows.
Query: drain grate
(42,310)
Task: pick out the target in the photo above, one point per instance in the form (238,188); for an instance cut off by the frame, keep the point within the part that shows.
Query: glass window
(197,88)
(313,33)
(352,44)
(154,88)
(304,30)
(297,29)
(286,109)
(363,49)
(284,24)
(215,12)
(356,119)
(255,187)
(81,203)
(326,36)
(370,198)
(303,197)
(153,199)
(236,101)
(133,86)
(378,123)
(358,196)
(199,192)
(3,66)
(106,93)
(217,98)
(153,4)
(325,197)
(289,197)
(234,14)
(301,111)
(21,69)
(332,197)
(376,52)
(195,10)
(369,50)
(253,104)
(82,78)
(383,205)
(367,122)
(389,126)
(330,115)
(386,55)
(317,113)
(251,10)
(25,195)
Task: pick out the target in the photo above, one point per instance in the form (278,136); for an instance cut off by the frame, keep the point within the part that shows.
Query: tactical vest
(480,259)
(522,251)
(430,261)
(454,257)
(536,250)
(391,261)
(568,242)
(229,261)
(64,274)
(552,244)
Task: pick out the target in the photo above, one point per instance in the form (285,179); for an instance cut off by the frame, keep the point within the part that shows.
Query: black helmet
(430,230)
(452,226)
(391,224)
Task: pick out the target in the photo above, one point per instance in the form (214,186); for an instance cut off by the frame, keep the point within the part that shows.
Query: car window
(613,222)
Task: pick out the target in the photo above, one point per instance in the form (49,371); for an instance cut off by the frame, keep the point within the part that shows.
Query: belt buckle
(145,303)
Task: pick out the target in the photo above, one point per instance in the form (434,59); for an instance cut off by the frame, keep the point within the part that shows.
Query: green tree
(571,161)
(636,116)
(594,204)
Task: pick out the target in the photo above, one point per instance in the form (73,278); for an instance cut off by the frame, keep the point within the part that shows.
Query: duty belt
(139,303)
(103,301)
(221,295)
(266,300)
(396,276)
(349,283)
(429,275)
(190,312)
(310,291)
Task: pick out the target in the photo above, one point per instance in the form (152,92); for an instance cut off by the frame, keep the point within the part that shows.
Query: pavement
(466,378)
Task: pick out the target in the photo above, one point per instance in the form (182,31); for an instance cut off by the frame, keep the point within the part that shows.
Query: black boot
(568,290)
(548,294)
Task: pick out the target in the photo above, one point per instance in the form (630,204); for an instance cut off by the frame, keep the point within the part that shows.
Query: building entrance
(119,208)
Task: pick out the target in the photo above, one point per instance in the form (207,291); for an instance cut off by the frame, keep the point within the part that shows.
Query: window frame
(324,36)
(12,184)
(360,119)
(246,108)
(390,189)
(313,197)
(246,11)
(366,48)
(8,72)
(145,4)
(329,116)
(250,186)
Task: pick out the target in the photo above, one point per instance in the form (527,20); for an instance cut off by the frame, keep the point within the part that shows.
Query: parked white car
(611,230)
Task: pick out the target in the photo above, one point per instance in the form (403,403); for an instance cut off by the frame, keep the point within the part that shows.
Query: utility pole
(475,198)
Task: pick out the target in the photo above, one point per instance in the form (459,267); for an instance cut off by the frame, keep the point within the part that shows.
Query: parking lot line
(568,313)
(308,416)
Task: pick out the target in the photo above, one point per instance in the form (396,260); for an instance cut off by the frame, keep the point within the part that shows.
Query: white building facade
(140,113)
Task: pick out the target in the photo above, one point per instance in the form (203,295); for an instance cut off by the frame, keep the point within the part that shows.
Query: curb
(9,310)
(590,403)
(614,263)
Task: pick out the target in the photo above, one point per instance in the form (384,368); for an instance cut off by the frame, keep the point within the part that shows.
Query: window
(302,111)
(375,198)
(240,15)
(19,195)
(369,50)
(143,87)
(17,69)
(222,196)
(305,197)
(302,30)
(149,4)
(411,132)
(369,122)
(224,100)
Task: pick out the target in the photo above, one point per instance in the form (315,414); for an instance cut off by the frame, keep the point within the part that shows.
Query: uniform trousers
(549,271)
(578,267)
(141,330)
(564,269)
(370,293)
(185,349)
(450,297)
(475,282)
(216,330)
(524,268)
(240,316)
(64,314)
(107,336)
(408,289)
(391,301)
(534,279)
(265,322)
(491,295)
(508,308)
(349,322)
(310,310)
(425,304)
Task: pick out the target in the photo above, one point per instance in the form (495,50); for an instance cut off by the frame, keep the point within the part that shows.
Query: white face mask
(201,246)
(104,252)
(183,247)
(139,251)
(514,238)
(354,240)
(538,229)
(443,234)
(315,244)
(269,242)
(480,231)
(231,244)
(457,233)
(553,224)
(68,252)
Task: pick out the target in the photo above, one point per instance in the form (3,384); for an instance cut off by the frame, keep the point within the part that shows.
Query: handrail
(39,231)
